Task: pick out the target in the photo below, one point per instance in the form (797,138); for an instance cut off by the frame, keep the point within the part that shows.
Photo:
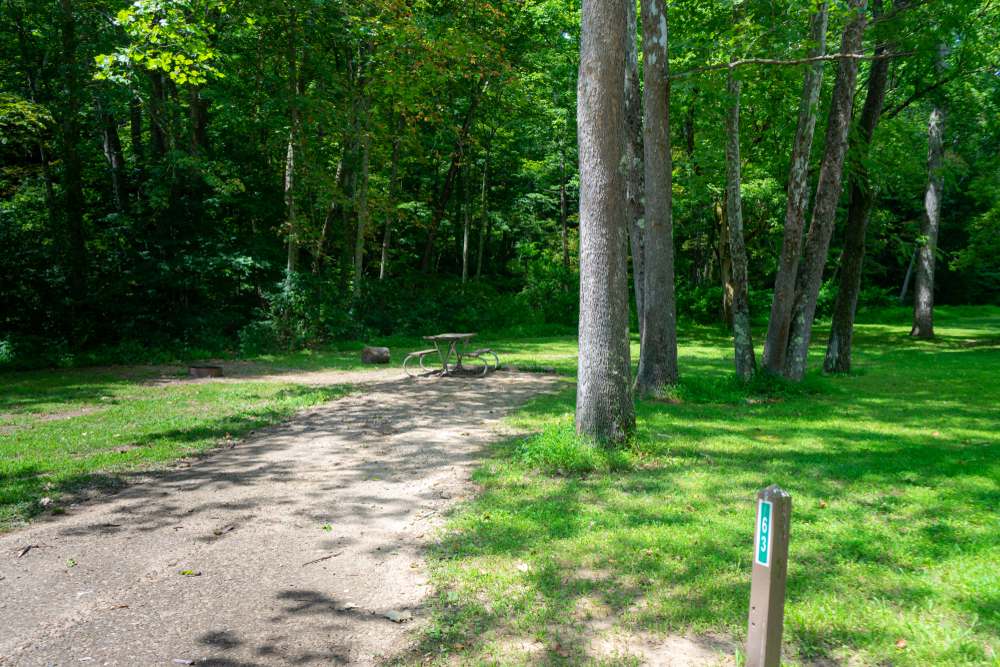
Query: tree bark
(725,265)
(658,333)
(810,274)
(909,274)
(605,410)
(635,198)
(838,349)
(776,340)
(923,293)
(746,364)
(386,235)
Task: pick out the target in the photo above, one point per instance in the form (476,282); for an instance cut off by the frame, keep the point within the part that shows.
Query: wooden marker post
(770,572)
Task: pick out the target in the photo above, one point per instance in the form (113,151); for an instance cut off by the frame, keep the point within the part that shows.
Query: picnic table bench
(444,356)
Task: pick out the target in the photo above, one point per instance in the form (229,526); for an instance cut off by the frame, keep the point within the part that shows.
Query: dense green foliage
(190,175)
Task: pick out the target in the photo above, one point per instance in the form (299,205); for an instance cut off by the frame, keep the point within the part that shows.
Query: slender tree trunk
(634,157)
(293,241)
(725,266)
(923,295)
(449,181)
(465,231)
(563,207)
(838,349)
(482,222)
(810,274)
(135,137)
(605,409)
(113,154)
(776,340)
(658,333)
(746,364)
(198,115)
(386,235)
(909,274)
(73,203)
(359,241)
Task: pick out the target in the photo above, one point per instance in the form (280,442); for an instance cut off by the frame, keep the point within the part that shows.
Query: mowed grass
(895,535)
(67,434)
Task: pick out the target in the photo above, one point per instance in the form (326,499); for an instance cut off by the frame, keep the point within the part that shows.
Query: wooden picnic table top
(450,337)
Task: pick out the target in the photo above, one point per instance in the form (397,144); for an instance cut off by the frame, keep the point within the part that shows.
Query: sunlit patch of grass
(895,535)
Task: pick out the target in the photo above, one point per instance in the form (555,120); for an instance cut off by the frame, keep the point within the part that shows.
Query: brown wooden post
(770,572)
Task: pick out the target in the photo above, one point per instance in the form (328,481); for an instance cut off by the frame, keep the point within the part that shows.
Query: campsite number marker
(770,572)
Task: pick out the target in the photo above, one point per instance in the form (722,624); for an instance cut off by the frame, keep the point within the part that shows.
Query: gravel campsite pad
(302,546)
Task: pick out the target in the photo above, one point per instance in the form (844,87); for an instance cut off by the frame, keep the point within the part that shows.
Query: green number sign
(763,544)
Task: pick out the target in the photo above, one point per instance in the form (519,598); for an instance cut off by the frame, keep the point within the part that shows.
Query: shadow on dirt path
(297,541)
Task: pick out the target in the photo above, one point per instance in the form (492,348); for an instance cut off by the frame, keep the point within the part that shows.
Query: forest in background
(197,175)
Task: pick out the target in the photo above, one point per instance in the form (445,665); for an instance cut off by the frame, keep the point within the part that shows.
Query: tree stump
(375,355)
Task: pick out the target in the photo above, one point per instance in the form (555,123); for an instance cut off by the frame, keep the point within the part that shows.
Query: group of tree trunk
(623,196)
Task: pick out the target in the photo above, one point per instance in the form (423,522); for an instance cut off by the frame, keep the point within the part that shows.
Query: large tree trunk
(605,409)
(387,233)
(838,350)
(923,293)
(776,340)
(746,364)
(831,172)
(73,202)
(634,158)
(658,333)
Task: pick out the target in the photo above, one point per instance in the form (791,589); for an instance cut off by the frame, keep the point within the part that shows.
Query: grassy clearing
(895,532)
(68,434)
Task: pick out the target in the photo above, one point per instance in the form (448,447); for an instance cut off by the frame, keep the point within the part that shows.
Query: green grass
(895,482)
(658,534)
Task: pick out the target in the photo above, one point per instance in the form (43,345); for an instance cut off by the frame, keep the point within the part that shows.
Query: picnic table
(446,345)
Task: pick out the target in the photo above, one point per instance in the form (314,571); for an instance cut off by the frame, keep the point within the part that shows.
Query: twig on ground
(323,558)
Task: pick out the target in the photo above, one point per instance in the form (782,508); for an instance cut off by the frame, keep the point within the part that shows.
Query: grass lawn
(893,472)
(895,530)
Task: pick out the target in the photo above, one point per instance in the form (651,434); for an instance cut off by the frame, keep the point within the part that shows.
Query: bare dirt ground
(105,584)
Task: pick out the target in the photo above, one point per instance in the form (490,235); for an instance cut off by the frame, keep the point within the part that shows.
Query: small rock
(398,616)
(45,502)
(375,355)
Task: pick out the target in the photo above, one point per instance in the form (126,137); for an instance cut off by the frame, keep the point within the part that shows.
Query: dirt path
(378,468)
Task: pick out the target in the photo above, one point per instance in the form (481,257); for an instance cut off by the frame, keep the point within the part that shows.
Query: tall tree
(831,171)
(930,221)
(658,334)
(838,349)
(635,197)
(605,409)
(746,364)
(776,340)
